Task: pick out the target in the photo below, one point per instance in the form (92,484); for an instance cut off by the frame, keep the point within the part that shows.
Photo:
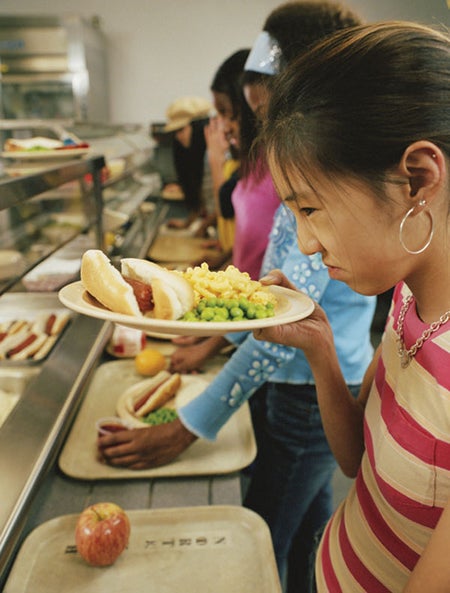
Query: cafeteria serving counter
(34,490)
(33,432)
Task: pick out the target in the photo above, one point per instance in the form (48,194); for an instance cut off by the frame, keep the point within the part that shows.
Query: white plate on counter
(44,155)
(233,449)
(225,549)
(291,306)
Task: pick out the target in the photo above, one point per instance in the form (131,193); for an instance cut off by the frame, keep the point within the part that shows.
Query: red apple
(102,533)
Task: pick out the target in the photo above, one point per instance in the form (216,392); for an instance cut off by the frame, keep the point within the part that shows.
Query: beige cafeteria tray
(167,248)
(233,449)
(224,549)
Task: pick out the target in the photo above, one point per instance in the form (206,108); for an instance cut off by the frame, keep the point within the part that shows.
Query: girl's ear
(425,167)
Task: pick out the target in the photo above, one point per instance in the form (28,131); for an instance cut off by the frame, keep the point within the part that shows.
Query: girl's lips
(333,271)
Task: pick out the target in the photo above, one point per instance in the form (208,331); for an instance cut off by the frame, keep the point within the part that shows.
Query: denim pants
(290,484)
(311,588)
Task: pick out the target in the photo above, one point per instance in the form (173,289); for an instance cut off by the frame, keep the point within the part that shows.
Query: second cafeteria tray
(223,549)
(234,448)
(167,248)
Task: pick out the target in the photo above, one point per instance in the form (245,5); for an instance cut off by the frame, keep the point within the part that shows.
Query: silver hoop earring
(402,224)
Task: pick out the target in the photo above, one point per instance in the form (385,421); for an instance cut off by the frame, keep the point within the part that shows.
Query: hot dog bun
(171,294)
(146,396)
(29,347)
(23,339)
(106,284)
(51,323)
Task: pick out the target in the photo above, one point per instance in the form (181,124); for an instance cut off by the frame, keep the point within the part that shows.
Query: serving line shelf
(16,191)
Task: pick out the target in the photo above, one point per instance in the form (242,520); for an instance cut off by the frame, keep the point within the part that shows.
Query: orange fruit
(149,362)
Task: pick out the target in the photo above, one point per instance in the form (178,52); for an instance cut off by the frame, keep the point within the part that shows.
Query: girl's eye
(307,211)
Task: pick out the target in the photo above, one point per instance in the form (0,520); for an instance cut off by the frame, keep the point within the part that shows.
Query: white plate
(160,335)
(44,155)
(291,306)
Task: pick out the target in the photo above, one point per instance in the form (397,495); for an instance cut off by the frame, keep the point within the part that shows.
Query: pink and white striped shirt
(378,533)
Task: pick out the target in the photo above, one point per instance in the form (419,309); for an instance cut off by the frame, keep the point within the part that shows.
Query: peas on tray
(160,416)
(216,309)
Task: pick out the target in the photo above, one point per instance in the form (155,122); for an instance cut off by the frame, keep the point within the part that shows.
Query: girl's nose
(307,243)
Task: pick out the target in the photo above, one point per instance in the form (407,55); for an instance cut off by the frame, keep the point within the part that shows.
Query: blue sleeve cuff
(251,366)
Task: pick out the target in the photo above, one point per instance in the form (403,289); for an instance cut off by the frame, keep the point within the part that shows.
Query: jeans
(290,485)
(311,588)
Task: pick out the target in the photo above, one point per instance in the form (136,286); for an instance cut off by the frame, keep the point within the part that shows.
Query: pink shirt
(254,202)
(377,535)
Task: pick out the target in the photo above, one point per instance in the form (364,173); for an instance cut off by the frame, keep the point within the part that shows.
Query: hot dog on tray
(147,396)
(23,339)
(140,288)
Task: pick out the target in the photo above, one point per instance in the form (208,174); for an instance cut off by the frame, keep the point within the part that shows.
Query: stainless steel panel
(37,80)
(26,40)
(32,435)
(17,65)
(70,45)
(13,382)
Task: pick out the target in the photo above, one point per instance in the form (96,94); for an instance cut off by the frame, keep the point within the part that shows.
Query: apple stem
(98,514)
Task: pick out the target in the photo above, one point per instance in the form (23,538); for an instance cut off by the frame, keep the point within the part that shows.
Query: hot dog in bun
(23,339)
(146,396)
(140,288)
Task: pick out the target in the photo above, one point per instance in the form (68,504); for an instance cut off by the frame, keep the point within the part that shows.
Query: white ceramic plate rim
(292,306)
(36,155)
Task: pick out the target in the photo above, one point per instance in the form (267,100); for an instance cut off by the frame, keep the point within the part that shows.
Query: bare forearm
(342,414)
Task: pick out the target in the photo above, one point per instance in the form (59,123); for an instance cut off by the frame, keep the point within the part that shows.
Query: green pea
(251,312)
(244,304)
(201,305)
(231,303)
(207,314)
(190,316)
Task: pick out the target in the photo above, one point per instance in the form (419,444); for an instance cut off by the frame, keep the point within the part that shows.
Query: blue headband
(265,55)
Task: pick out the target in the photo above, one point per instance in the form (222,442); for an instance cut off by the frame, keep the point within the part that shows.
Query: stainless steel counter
(32,434)
(61,495)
